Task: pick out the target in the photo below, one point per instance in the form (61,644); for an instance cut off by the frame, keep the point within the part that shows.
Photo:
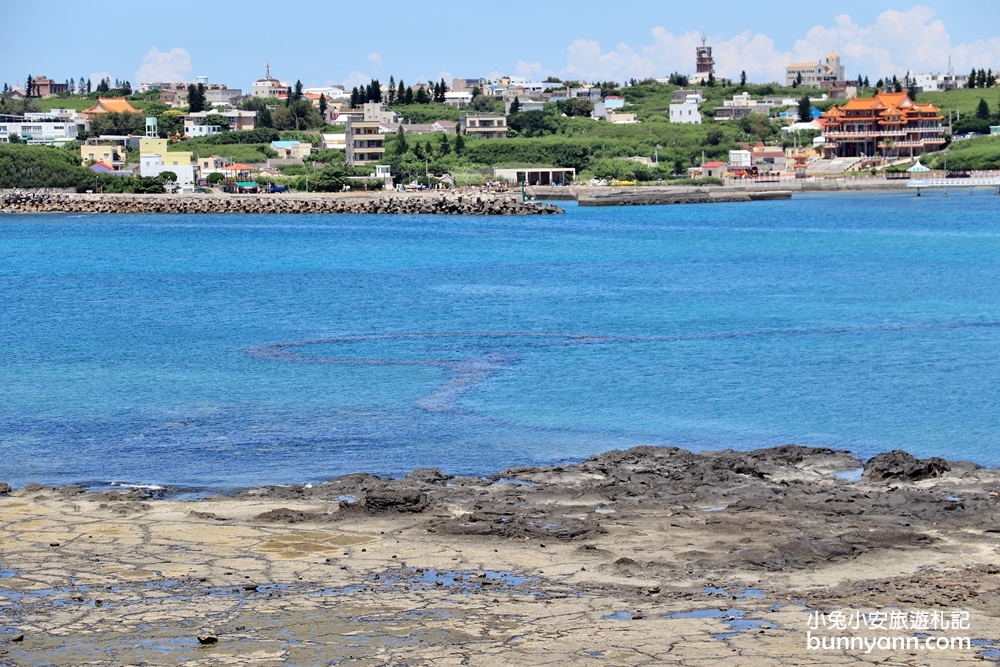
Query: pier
(955,183)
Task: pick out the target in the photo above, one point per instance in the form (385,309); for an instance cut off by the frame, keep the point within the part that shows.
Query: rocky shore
(650,556)
(27,201)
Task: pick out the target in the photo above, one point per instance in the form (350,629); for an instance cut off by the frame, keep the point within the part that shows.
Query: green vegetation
(46,167)
(970,155)
(40,167)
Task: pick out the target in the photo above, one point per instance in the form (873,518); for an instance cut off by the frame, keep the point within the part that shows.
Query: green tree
(217,119)
(867,85)
(168,177)
(421,96)
(798,80)
(118,123)
(103,87)
(459,144)
(482,104)
(401,146)
(401,93)
(973,78)
(300,115)
(418,150)
(743,79)
(215,177)
(880,84)
(408,97)
(444,146)
(260,105)
(444,89)
(983,110)
(196,99)
(534,123)
(29,87)
(911,90)
(711,79)
(805,109)
(515,106)
(322,105)
(355,98)
(391,92)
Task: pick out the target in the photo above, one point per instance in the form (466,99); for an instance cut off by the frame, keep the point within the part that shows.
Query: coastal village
(203,136)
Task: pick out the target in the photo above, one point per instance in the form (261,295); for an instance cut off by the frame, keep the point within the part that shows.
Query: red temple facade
(889,124)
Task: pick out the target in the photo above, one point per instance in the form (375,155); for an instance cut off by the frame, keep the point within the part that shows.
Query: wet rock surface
(649,556)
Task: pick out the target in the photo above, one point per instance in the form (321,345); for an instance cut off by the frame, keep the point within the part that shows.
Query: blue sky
(323,43)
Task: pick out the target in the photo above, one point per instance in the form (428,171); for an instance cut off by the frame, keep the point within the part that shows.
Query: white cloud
(172,66)
(356,78)
(895,42)
(532,70)
(97,77)
(375,59)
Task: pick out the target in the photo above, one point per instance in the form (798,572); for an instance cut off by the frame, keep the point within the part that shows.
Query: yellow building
(152,146)
(108,154)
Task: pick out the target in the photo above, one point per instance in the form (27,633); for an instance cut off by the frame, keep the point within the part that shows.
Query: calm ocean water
(229,351)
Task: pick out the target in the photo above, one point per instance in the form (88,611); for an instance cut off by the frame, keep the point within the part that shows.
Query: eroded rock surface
(650,556)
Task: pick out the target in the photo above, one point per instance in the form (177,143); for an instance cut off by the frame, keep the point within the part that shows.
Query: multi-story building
(154,159)
(238,120)
(36,129)
(686,111)
(484,126)
(823,74)
(887,124)
(268,86)
(43,86)
(929,83)
(365,144)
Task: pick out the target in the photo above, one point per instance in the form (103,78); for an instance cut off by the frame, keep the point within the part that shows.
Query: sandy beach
(651,556)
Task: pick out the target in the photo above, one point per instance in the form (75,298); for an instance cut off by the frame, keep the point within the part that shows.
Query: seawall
(653,195)
(29,201)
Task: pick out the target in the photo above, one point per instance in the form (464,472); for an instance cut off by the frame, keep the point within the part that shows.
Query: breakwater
(652,195)
(28,201)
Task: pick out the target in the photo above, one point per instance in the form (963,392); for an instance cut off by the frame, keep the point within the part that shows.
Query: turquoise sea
(219,352)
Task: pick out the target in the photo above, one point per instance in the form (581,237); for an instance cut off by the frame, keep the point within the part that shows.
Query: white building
(332,93)
(37,131)
(268,86)
(334,141)
(459,99)
(740,159)
(238,119)
(152,166)
(821,74)
(375,112)
(193,130)
(931,83)
(686,111)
